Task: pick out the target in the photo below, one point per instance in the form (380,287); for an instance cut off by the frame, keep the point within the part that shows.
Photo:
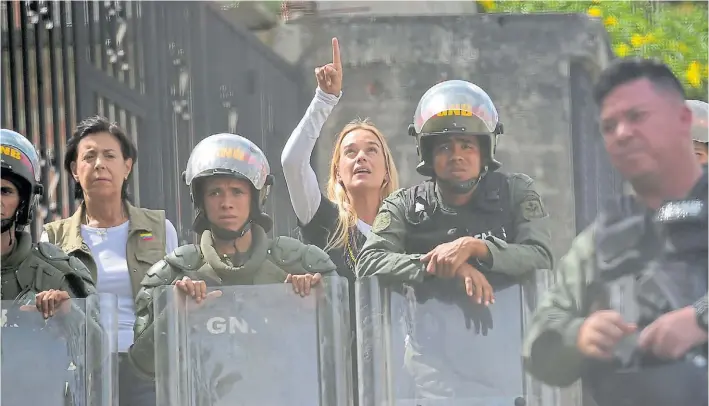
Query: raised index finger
(336,54)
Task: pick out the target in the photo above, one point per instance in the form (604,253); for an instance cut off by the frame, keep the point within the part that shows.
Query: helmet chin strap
(229,235)
(460,188)
(463,187)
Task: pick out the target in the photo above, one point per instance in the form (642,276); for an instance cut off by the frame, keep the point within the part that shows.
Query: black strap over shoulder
(430,223)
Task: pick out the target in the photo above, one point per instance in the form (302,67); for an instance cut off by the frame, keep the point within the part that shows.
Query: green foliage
(675,32)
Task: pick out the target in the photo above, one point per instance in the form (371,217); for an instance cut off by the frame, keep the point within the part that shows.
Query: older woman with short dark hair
(117,241)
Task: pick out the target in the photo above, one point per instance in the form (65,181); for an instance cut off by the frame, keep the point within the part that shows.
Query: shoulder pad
(51,252)
(519,176)
(161,273)
(59,263)
(185,258)
(293,256)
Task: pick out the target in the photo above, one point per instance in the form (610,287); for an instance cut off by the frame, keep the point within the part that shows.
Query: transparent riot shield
(69,359)
(430,344)
(254,345)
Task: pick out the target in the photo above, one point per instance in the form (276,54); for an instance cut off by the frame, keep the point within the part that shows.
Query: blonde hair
(347,218)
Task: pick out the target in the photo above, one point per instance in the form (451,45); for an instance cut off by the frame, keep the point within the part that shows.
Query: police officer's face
(362,164)
(457,157)
(643,129)
(9,199)
(100,166)
(227,201)
(701,150)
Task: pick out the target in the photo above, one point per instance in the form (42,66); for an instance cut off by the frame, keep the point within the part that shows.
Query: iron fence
(170,73)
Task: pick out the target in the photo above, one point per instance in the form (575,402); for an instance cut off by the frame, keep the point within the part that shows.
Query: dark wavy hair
(96,125)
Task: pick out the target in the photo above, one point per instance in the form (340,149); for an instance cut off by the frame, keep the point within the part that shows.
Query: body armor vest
(488,214)
(650,265)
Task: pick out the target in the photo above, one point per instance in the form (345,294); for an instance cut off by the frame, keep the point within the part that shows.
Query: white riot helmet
(700,120)
(20,165)
(456,107)
(231,155)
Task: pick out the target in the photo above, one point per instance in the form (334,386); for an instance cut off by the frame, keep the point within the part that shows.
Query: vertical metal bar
(3,69)
(13,65)
(82,20)
(96,56)
(41,115)
(132,10)
(105,37)
(82,50)
(57,129)
(66,87)
(26,75)
(151,127)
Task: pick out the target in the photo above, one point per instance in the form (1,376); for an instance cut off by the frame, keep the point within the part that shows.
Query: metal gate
(170,73)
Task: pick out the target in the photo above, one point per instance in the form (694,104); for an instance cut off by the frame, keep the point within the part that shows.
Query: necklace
(102,232)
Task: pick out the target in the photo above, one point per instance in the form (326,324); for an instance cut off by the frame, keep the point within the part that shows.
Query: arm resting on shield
(550,351)
(383,253)
(530,249)
(142,352)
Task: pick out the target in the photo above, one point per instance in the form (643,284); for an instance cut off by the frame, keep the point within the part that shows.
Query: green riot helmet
(700,120)
(230,155)
(20,165)
(456,107)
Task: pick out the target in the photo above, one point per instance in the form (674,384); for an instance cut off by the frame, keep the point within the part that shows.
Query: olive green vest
(146,241)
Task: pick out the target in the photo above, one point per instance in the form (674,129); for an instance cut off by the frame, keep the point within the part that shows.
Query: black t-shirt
(318,231)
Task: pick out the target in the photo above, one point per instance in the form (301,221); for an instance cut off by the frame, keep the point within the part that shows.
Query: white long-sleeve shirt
(301,180)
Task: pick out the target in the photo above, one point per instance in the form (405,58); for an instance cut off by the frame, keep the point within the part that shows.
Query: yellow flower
(622,49)
(637,40)
(650,38)
(610,21)
(693,74)
(595,12)
(488,5)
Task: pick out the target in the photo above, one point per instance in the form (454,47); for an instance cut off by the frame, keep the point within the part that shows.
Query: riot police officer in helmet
(41,274)
(469,221)
(700,129)
(229,179)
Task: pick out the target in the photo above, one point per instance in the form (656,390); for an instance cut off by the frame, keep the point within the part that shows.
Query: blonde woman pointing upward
(362,174)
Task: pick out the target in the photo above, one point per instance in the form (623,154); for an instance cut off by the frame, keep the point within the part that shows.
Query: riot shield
(69,359)
(254,345)
(430,344)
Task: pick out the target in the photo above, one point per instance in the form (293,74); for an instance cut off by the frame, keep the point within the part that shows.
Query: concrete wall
(537,68)
(523,62)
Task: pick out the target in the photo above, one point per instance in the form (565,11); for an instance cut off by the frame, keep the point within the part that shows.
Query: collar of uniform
(137,222)
(258,252)
(19,252)
(453,209)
